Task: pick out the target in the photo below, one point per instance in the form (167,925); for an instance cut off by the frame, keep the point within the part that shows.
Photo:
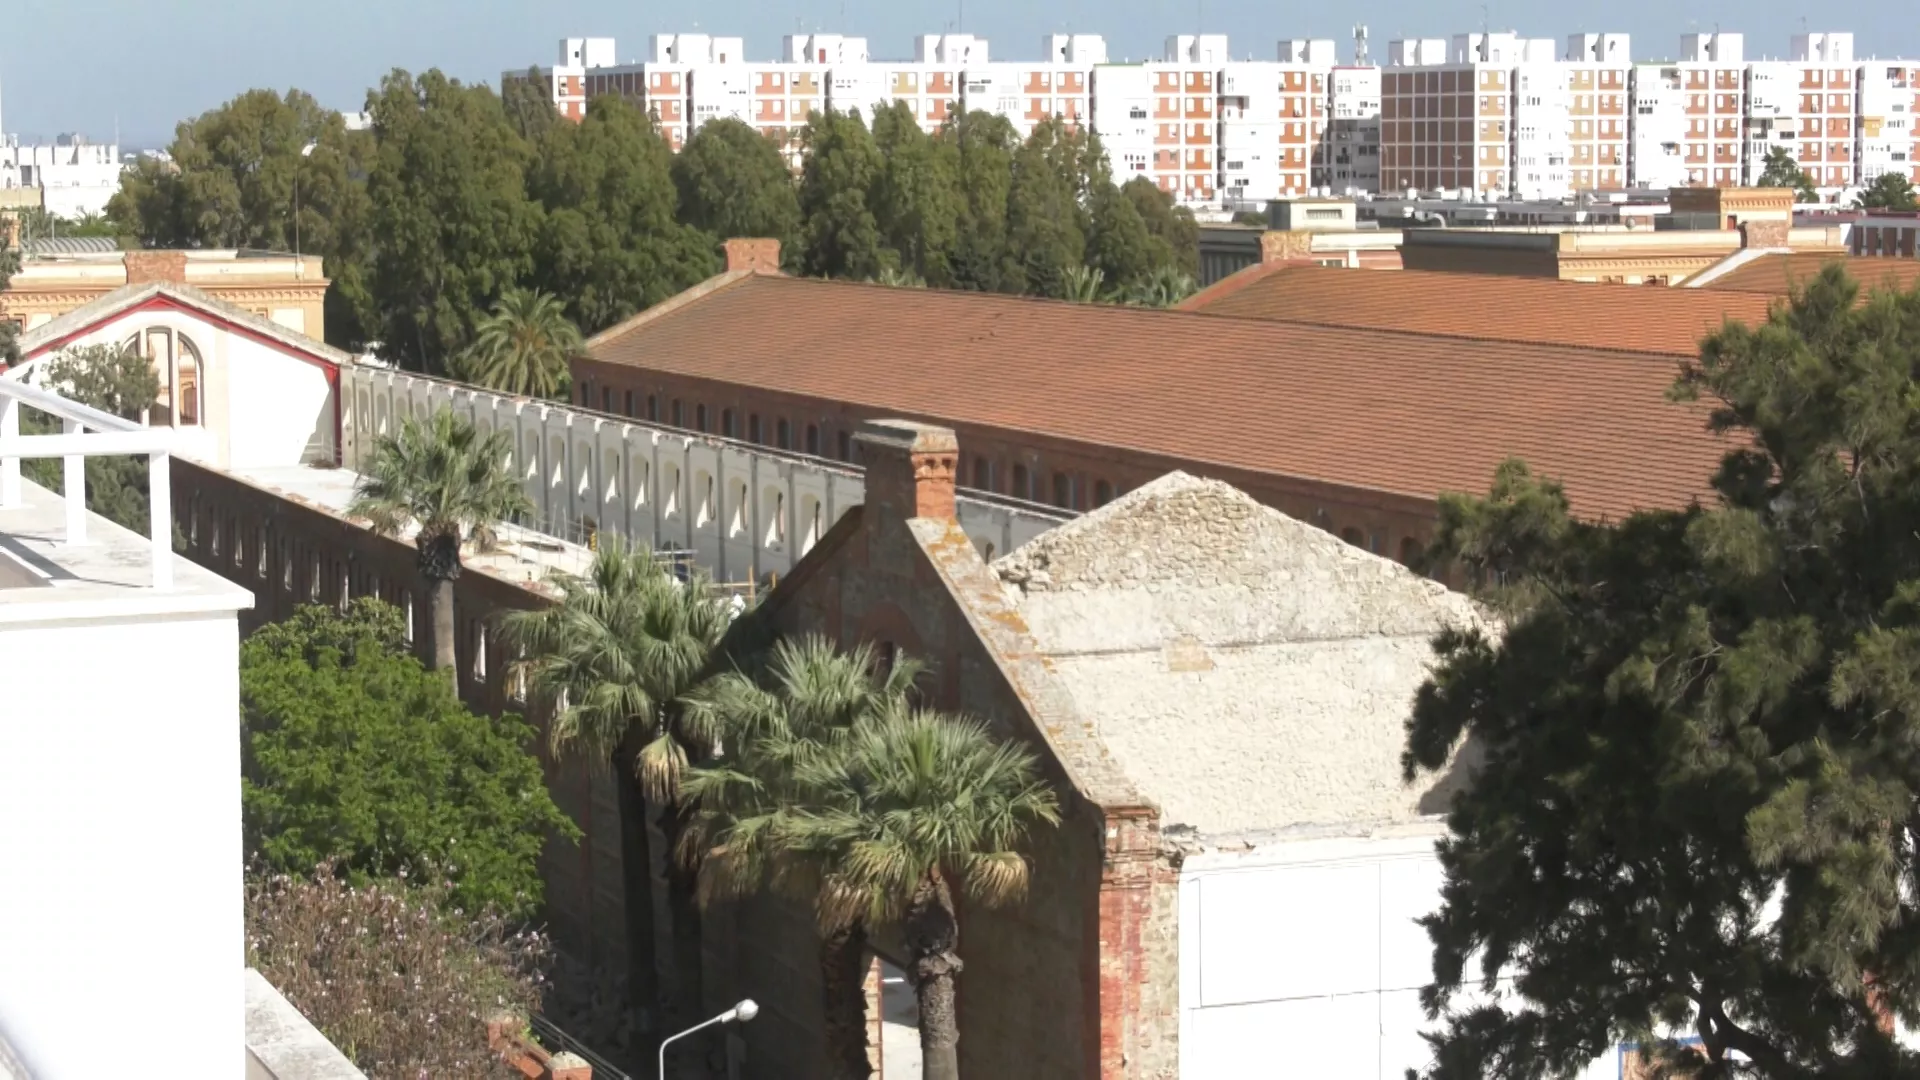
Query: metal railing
(87,432)
(553,1039)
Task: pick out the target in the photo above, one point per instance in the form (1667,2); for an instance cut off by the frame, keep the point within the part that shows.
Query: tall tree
(1890,191)
(452,483)
(614,657)
(733,181)
(610,245)
(911,809)
(780,714)
(840,236)
(1173,226)
(528,106)
(524,346)
(1119,245)
(916,198)
(1695,807)
(265,170)
(1781,169)
(1046,219)
(450,209)
(358,756)
(984,143)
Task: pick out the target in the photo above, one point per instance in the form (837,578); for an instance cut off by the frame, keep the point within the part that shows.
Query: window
(177,362)
(653,408)
(1063,491)
(983,474)
(726,423)
(260,571)
(783,434)
(627,409)
(586,394)
(606,399)
(1022,482)
(1102,493)
(676,413)
(1351,535)
(753,427)
(846,447)
(479,652)
(813,439)
(700,418)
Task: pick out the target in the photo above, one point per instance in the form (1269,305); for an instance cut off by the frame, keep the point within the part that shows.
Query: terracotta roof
(1485,307)
(1403,413)
(1777,274)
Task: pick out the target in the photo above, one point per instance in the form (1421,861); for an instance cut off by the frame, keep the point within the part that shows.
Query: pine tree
(1695,808)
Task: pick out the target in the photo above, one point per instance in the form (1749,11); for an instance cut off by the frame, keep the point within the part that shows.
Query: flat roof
(43,579)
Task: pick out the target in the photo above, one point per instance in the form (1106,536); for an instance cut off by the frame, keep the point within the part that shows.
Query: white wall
(1303,959)
(745,511)
(121,924)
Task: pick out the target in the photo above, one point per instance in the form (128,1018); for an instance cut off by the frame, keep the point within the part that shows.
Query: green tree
(1047,222)
(777,717)
(524,347)
(1172,225)
(1696,775)
(529,110)
(265,170)
(610,245)
(1890,191)
(613,657)
(450,481)
(357,755)
(840,237)
(733,181)
(1119,245)
(448,202)
(916,197)
(906,811)
(1783,171)
(112,380)
(985,144)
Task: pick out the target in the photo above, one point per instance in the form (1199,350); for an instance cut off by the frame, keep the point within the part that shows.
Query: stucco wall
(121,923)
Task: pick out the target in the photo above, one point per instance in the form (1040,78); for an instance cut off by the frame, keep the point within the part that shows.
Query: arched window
(1409,550)
(753,427)
(1063,491)
(783,434)
(726,423)
(982,474)
(1352,536)
(1102,492)
(700,418)
(176,360)
(1022,483)
(813,439)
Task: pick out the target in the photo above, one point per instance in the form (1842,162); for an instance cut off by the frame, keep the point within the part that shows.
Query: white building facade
(76,178)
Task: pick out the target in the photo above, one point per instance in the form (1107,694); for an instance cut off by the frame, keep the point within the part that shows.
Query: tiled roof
(1484,306)
(1395,412)
(1777,274)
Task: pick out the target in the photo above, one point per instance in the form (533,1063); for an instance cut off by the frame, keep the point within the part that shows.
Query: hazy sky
(80,65)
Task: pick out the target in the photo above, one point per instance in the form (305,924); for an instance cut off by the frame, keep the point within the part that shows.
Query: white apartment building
(1272,118)
(1347,159)
(1689,116)
(929,84)
(75,177)
(1027,92)
(1889,104)
(1542,123)
(1599,109)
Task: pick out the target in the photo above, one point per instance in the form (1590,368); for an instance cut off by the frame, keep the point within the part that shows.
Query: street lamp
(740,1013)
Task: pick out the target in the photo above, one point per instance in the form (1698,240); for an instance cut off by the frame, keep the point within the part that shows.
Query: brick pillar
(1764,234)
(146,266)
(1291,246)
(1135,1008)
(910,468)
(753,253)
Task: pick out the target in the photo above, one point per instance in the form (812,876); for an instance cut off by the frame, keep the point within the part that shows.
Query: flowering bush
(398,978)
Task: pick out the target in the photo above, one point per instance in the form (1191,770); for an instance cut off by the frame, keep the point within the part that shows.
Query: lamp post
(740,1013)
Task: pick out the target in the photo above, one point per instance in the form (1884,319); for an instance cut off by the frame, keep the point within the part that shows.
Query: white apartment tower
(1542,122)
(1805,105)
(1348,158)
(1599,80)
(1889,102)
(1689,115)
(1272,116)
(1028,92)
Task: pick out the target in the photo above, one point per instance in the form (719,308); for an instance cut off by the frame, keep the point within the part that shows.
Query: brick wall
(1020,464)
(289,554)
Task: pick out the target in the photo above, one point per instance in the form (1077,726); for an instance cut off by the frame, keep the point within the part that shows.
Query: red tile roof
(1404,413)
(1485,307)
(1777,274)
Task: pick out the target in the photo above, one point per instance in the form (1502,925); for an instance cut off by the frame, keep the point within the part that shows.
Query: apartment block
(1445,114)
(1347,158)
(1889,102)
(1689,116)
(1599,110)
(1161,119)
(1272,118)
(1028,92)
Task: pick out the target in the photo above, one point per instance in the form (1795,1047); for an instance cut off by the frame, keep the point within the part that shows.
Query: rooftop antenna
(1360,46)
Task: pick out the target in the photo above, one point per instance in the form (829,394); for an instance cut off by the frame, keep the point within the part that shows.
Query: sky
(142,66)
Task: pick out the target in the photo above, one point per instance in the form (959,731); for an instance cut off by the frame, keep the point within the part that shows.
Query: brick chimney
(753,253)
(146,266)
(910,467)
(1764,234)
(1279,247)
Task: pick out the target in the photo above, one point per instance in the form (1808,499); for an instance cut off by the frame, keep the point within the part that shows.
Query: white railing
(87,432)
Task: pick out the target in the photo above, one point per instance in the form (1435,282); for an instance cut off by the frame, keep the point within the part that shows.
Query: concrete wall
(746,511)
(121,926)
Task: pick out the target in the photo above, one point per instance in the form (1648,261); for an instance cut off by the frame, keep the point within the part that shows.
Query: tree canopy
(1890,191)
(1783,170)
(839,232)
(733,181)
(113,380)
(357,754)
(1697,804)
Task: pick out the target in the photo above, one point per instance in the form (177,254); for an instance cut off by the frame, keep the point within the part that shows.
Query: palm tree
(523,347)
(898,278)
(1163,288)
(1081,284)
(798,707)
(613,657)
(454,484)
(909,807)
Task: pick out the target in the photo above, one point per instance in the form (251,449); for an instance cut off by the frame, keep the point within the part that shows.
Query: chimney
(146,266)
(1277,246)
(1764,234)
(750,253)
(910,467)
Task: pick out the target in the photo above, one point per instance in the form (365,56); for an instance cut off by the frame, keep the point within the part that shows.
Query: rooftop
(1249,673)
(1485,307)
(1777,273)
(1387,411)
